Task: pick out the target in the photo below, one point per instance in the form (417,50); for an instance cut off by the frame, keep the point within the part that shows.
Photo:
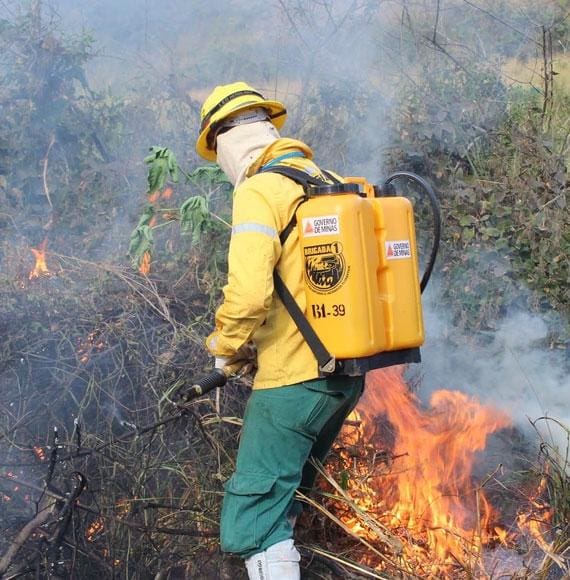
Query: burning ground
(438,484)
(438,474)
(103,475)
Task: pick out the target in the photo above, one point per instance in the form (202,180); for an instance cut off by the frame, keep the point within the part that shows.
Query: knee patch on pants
(247,516)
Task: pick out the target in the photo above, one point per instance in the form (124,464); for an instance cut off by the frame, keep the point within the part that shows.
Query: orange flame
(421,488)
(153,197)
(167,193)
(123,507)
(156,195)
(501,534)
(85,346)
(537,521)
(95,529)
(39,452)
(40,268)
(144,268)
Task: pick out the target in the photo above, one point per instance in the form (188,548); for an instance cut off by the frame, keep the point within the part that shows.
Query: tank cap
(337,188)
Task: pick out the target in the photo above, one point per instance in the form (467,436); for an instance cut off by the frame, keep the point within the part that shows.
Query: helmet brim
(277,115)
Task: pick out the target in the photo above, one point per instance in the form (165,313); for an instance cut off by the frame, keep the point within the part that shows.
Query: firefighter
(292,415)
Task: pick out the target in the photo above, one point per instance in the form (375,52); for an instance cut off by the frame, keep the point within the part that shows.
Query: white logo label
(398,250)
(326,225)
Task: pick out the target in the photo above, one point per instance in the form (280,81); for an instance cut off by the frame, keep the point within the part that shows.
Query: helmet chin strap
(239,147)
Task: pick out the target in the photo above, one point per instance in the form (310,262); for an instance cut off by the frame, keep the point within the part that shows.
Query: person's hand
(220,362)
(247,355)
(243,362)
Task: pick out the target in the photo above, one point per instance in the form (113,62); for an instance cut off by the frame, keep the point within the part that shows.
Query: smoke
(511,368)
(339,67)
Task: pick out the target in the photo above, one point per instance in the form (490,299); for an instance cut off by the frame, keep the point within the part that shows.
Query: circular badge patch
(325,267)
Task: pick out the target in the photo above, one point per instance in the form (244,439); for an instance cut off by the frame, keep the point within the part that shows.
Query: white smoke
(510,368)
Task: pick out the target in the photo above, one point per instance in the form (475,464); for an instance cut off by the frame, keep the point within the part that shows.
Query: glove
(244,360)
(220,362)
(247,355)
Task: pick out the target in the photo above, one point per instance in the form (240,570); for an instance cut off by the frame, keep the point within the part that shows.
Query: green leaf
(491,232)
(141,242)
(146,216)
(208,176)
(468,234)
(162,166)
(194,216)
(466,220)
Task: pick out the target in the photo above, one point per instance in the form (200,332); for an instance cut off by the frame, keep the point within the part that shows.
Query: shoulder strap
(326,361)
(302,178)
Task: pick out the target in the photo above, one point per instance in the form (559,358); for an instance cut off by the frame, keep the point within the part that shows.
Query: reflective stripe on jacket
(263,205)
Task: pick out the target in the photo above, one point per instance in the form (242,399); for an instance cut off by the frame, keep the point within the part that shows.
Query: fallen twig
(38,520)
(44,176)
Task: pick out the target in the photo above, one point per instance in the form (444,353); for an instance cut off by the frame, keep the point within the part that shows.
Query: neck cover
(239,147)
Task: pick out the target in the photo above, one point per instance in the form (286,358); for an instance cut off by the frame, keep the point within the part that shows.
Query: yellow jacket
(263,205)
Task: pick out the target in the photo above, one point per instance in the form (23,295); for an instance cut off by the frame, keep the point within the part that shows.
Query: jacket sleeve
(253,253)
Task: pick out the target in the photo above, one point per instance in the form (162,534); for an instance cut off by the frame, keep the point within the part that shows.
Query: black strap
(300,176)
(292,223)
(226,100)
(326,361)
(303,179)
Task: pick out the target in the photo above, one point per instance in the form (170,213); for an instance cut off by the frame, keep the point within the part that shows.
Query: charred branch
(37,521)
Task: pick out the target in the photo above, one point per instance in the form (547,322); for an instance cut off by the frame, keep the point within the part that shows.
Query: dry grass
(531,73)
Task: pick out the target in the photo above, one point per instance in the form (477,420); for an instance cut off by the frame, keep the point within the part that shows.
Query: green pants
(282,428)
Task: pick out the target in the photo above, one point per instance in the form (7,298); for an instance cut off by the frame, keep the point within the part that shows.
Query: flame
(538,520)
(85,346)
(95,529)
(40,268)
(501,534)
(419,484)
(156,195)
(123,507)
(144,268)
(39,452)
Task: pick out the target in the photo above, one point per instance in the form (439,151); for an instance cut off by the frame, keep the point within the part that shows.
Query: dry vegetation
(102,474)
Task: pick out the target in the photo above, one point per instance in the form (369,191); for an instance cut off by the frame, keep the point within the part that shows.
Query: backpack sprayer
(361,273)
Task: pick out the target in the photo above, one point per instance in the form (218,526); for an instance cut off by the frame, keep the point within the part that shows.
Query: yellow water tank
(361,270)
(398,276)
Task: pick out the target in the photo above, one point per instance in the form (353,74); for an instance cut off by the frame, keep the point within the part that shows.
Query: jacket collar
(282,147)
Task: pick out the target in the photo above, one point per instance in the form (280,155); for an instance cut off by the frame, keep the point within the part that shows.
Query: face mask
(239,147)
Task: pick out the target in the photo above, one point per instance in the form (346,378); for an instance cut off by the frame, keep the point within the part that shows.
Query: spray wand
(217,378)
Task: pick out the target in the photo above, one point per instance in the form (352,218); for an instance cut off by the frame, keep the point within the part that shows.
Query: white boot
(278,562)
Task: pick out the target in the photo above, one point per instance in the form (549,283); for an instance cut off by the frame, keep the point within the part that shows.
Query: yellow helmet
(227,100)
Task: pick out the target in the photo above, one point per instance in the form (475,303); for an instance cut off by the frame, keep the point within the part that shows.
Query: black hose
(217,378)
(426,187)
